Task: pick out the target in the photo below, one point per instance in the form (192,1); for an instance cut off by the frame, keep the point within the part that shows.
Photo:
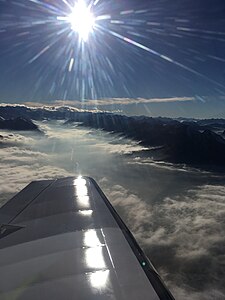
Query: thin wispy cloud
(122,101)
(79,105)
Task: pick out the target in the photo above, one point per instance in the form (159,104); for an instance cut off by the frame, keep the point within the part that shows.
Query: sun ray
(78,41)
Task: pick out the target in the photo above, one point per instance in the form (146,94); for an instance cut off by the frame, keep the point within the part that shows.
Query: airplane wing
(62,239)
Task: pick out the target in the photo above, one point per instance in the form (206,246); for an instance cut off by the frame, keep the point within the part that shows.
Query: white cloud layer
(177,214)
(123,101)
(182,236)
(77,105)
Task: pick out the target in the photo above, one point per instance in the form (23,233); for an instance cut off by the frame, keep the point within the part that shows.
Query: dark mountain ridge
(18,123)
(178,140)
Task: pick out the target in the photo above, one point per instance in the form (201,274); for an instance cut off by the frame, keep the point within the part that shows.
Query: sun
(82,20)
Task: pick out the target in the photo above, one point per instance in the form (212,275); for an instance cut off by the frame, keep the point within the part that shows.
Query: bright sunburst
(81,19)
(78,38)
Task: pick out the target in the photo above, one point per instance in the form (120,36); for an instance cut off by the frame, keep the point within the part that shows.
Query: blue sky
(137,49)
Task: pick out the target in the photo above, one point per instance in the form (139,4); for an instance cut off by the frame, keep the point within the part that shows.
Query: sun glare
(82,20)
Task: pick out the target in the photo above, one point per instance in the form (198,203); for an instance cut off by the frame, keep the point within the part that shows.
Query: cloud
(122,101)
(20,164)
(177,216)
(8,139)
(58,105)
(136,211)
(137,160)
(182,236)
(26,157)
(80,105)
(210,294)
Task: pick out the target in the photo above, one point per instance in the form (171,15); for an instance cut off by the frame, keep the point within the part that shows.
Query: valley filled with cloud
(176,211)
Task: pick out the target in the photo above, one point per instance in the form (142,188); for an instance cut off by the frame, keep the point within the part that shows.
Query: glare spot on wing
(86,212)
(94,258)
(91,239)
(99,279)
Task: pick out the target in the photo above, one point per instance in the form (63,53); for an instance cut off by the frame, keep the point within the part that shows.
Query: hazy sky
(137,49)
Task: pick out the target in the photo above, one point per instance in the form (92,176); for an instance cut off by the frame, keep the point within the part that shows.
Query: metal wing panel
(21,200)
(72,244)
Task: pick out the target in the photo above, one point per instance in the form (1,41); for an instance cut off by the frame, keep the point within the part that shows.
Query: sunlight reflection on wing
(83,201)
(86,212)
(81,192)
(94,258)
(80,181)
(91,239)
(81,188)
(99,279)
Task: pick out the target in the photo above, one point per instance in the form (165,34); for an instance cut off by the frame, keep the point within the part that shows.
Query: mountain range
(180,140)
